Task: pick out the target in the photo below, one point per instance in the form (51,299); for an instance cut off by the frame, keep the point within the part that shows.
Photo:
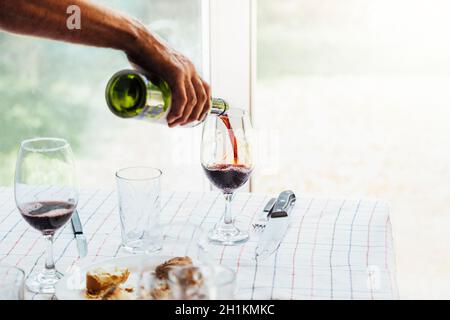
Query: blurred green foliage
(49,88)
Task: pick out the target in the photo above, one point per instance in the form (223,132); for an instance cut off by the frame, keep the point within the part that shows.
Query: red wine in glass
(228,177)
(47,216)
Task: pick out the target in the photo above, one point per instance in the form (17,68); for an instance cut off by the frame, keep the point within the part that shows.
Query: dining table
(334,248)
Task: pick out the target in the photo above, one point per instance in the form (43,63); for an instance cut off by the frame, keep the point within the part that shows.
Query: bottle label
(157,106)
(151,112)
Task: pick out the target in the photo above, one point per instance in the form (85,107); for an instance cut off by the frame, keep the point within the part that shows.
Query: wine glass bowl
(226,158)
(46,196)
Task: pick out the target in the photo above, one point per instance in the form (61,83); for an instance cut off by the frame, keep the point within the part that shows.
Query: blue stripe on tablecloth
(350,249)
(368,245)
(256,260)
(316,232)
(297,246)
(332,247)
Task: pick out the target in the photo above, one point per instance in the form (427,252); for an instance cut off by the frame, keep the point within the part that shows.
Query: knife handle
(269,206)
(77,227)
(283,205)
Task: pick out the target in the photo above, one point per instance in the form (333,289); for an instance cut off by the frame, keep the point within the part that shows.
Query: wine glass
(227,161)
(46,196)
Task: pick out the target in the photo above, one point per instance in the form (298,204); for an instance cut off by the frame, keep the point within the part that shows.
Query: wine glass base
(43,283)
(228,238)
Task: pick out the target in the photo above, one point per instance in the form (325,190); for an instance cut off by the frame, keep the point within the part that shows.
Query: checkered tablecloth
(334,248)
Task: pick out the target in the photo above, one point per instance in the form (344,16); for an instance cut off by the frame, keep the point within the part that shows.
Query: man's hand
(191,95)
(103,27)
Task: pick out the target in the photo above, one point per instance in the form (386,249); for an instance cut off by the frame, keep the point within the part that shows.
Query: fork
(260,224)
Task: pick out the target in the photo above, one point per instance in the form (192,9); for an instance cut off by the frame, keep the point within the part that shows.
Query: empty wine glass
(46,196)
(227,161)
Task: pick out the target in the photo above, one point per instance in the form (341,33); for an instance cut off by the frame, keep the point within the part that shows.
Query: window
(355,93)
(50,88)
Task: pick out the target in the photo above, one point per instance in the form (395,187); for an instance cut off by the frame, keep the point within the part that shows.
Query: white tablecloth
(334,248)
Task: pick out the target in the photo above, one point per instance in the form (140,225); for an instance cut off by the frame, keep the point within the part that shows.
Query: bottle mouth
(118,95)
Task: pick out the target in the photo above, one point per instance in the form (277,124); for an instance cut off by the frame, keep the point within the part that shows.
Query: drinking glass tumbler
(11,283)
(138,191)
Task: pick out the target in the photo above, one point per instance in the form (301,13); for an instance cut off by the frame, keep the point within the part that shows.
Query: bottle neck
(219,106)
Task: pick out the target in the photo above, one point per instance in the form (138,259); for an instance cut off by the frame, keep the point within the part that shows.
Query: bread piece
(100,279)
(162,270)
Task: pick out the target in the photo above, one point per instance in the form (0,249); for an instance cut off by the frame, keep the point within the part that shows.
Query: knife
(277,225)
(77,228)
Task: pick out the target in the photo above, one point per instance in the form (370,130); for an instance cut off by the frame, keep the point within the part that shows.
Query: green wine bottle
(130,94)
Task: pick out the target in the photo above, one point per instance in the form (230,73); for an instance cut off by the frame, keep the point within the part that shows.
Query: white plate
(72,286)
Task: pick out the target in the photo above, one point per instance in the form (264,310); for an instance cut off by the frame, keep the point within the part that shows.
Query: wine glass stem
(228,218)
(49,262)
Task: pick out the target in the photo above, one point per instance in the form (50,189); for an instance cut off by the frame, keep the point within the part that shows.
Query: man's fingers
(190,103)
(201,99)
(179,100)
(207,105)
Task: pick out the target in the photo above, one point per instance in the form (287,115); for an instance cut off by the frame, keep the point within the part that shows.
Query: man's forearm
(100,26)
(103,27)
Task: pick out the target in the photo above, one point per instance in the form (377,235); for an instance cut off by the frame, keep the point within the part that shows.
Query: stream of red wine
(226,122)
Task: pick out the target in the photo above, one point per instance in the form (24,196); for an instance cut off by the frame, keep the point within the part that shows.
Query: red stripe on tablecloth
(98,228)
(296,248)
(73,262)
(15,243)
(104,241)
(28,251)
(178,209)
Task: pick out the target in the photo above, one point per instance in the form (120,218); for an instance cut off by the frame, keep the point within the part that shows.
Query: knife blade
(277,225)
(77,228)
